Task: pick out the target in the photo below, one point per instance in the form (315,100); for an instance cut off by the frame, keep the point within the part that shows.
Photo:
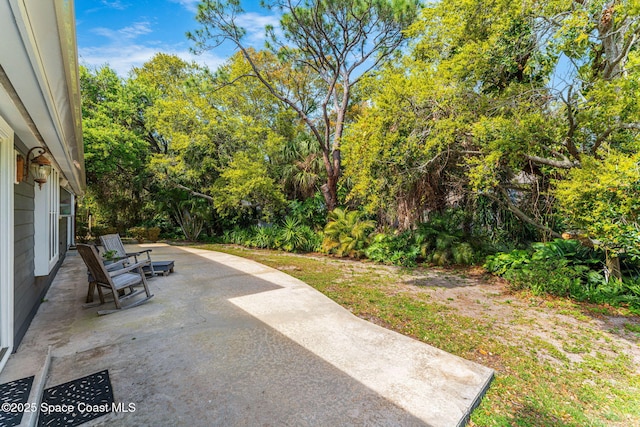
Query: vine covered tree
(498,101)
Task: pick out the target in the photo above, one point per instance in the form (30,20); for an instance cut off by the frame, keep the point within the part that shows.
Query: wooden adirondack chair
(112,242)
(121,280)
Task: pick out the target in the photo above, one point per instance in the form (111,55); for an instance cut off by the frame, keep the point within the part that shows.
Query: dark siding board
(23,247)
(23,195)
(21,233)
(24,284)
(22,203)
(24,298)
(23,218)
(28,290)
(23,266)
(22,324)
(25,261)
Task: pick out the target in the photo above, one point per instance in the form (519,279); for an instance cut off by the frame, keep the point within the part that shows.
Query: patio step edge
(31,418)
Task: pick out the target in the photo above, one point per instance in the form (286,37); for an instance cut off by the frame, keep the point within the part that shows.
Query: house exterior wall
(25,290)
(39,109)
(29,290)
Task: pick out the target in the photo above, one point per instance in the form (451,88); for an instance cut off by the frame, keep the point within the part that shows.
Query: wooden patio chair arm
(129,268)
(139,252)
(116,265)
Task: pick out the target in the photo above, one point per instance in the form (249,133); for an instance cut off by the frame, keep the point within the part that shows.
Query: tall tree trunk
(330,191)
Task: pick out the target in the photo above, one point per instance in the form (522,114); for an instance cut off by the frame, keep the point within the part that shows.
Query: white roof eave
(39,76)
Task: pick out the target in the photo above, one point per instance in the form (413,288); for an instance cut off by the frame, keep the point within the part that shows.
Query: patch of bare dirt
(521,317)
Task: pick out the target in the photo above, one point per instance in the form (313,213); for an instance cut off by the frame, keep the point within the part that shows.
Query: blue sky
(126,33)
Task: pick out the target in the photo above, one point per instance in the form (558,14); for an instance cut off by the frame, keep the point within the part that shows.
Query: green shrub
(615,292)
(346,233)
(237,236)
(264,237)
(443,245)
(564,268)
(313,240)
(291,237)
(502,262)
(398,249)
(571,250)
(463,253)
(101,230)
(439,241)
(153,234)
(311,212)
(138,233)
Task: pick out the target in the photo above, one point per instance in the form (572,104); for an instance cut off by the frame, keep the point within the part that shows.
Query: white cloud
(123,51)
(124,47)
(123,58)
(129,32)
(190,5)
(114,4)
(254,24)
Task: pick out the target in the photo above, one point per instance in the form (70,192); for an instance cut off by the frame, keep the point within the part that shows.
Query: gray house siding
(41,113)
(28,289)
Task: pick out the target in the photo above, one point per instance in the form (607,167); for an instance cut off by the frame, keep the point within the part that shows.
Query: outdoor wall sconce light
(39,166)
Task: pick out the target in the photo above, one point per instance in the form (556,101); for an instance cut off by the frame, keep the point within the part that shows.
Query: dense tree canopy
(524,115)
(334,43)
(498,100)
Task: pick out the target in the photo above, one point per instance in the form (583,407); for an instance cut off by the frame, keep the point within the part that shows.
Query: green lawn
(557,363)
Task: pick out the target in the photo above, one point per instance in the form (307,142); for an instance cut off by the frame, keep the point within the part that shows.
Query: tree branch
(505,201)
(563,164)
(192,192)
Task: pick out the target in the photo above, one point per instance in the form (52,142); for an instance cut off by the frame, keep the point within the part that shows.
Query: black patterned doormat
(14,396)
(76,402)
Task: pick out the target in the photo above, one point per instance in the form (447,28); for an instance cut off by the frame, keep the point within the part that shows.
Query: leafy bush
(502,262)
(564,268)
(101,230)
(311,212)
(237,236)
(153,233)
(601,198)
(615,292)
(572,251)
(138,233)
(313,240)
(346,233)
(439,241)
(444,244)
(264,237)
(291,236)
(398,249)
(463,253)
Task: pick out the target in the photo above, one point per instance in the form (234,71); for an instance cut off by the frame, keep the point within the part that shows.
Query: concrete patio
(229,342)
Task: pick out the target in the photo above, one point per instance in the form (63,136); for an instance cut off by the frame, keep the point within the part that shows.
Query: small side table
(160,268)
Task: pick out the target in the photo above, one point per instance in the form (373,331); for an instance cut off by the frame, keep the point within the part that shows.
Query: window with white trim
(46,225)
